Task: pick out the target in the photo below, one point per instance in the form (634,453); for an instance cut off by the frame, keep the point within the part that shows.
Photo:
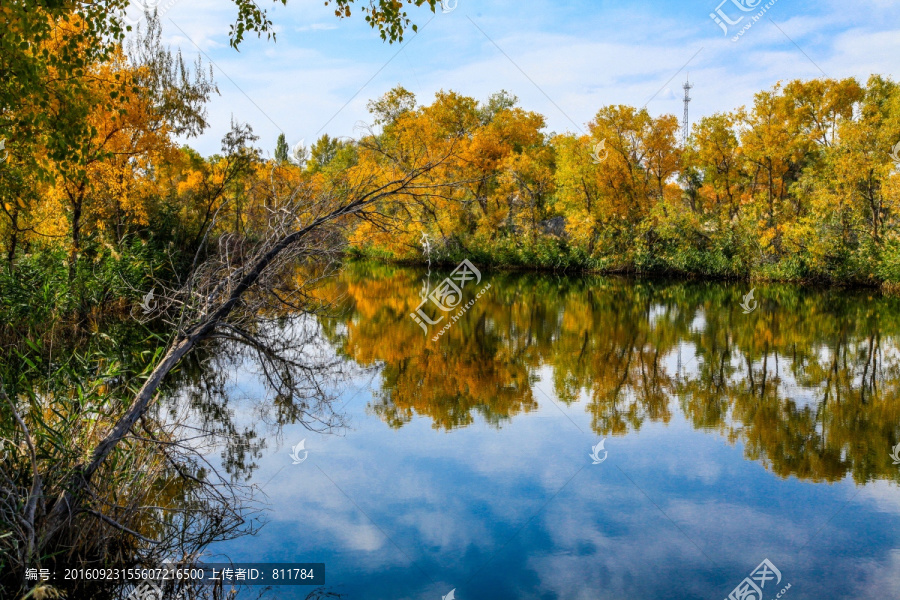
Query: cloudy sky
(564,61)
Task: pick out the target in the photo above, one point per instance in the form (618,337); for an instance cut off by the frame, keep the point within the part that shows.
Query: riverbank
(565,264)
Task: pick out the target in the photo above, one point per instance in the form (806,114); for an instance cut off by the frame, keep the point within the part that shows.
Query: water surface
(730,438)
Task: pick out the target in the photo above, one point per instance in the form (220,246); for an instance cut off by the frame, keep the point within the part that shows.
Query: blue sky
(563,61)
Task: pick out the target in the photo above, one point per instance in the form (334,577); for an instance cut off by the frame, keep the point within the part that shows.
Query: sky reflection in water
(466,464)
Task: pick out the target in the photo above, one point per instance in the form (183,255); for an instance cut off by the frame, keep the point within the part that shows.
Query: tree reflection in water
(181,478)
(808,382)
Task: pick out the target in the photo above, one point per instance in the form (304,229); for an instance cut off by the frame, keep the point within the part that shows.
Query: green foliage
(387,16)
(330,155)
(282,151)
(39,293)
(392,105)
(495,104)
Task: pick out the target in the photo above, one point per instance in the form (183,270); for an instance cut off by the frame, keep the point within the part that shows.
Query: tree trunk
(76,235)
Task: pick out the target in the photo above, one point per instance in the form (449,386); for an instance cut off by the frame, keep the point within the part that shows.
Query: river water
(472,463)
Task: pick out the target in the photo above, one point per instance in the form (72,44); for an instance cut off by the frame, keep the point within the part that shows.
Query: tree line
(801,185)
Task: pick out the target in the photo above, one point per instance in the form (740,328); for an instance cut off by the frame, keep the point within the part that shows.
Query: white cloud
(581,61)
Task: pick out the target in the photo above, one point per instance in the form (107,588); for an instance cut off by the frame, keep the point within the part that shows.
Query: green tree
(281,149)
(324,151)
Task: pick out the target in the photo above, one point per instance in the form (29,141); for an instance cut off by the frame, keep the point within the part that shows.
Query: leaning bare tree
(234,284)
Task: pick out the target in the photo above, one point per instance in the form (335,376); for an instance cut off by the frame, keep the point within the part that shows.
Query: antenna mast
(687,100)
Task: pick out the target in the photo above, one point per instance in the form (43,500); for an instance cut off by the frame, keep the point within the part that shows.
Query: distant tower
(687,100)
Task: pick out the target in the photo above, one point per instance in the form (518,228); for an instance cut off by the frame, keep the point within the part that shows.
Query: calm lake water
(466,463)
